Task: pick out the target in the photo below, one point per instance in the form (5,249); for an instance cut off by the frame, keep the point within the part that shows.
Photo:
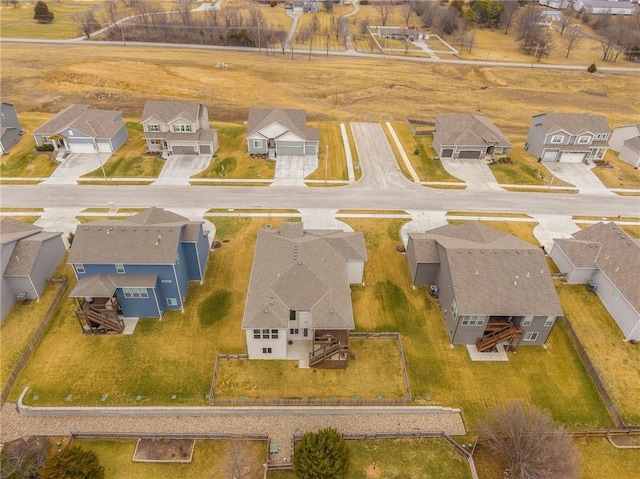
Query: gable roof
(167,111)
(294,120)
(13,230)
(492,272)
(25,253)
(150,237)
(574,123)
(618,257)
(468,129)
(633,143)
(102,285)
(88,121)
(302,272)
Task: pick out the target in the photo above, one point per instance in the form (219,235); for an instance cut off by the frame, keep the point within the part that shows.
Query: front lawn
(617,173)
(330,136)
(524,170)
(23,160)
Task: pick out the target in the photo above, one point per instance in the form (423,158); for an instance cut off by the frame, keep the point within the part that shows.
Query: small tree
(21,459)
(41,13)
(530,443)
(72,462)
(321,455)
(592,68)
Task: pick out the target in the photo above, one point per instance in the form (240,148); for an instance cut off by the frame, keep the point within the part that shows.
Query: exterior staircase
(498,333)
(318,356)
(101,321)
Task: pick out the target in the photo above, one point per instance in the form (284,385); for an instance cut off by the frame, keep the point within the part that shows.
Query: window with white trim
(154,127)
(256,334)
(549,321)
(155,141)
(584,140)
(46,140)
(530,336)
(120,268)
(615,295)
(181,128)
(137,293)
(172,302)
(79,268)
(454,310)
(265,334)
(266,350)
(274,334)
(294,331)
(473,320)
(257,143)
(305,332)
(602,136)
(527,321)
(555,139)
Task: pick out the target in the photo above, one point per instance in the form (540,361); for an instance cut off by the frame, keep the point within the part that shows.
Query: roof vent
(122,229)
(495,251)
(517,251)
(134,228)
(146,229)
(99,229)
(86,228)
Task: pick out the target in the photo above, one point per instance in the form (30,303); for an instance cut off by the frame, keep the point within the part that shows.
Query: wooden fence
(412,122)
(35,339)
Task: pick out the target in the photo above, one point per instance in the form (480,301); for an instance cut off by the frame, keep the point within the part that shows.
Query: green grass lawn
(426,167)
(552,378)
(208,460)
(525,170)
(23,160)
(130,160)
(366,376)
(232,158)
(615,360)
(620,175)
(18,21)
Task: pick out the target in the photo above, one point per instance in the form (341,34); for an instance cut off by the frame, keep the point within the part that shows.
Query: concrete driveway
(475,173)
(74,166)
(580,176)
(550,227)
(291,170)
(179,168)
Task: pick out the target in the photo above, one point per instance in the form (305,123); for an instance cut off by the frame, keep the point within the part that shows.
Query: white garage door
(104,147)
(572,157)
(550,155)
(82,147)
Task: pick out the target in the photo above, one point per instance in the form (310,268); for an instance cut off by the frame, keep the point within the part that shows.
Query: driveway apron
(475,173)
(580,176)
(74,166)
(179,168)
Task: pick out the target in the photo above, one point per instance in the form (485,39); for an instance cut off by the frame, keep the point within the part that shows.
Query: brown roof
(468,129)
(91,122)
(167,111)
(618,257)
(150,237)
(574,123)
(492,272)
(25,253)
(302,273)
(13,230)
(294,120)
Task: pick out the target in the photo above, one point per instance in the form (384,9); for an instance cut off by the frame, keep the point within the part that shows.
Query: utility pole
(326,164)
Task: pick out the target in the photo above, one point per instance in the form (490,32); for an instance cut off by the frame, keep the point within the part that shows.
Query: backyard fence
(35,339)
(331,401)
(412,122)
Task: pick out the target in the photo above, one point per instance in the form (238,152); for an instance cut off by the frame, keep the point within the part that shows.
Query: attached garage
(293,148)
(447,153)
(82,146)
(550,155)
(104,146)
(205,149)
(183,150)
(311,149)
(569,157)
(469,154)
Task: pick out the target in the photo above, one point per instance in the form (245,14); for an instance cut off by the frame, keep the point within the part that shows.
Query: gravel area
(280,424)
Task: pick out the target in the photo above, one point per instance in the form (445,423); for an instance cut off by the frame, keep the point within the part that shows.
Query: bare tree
(364,26)
(618,38)
(232,17)
(447,20)
(328,5)
(407,12)
(111,7)
(508,14)
(23,457)
(214,16)
(384,9)
(533,446)
(528,21)
(566,20)
(428,15)
(573,38)
(86,22)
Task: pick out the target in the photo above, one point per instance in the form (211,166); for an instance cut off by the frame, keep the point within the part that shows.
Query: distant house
(568,137)
(626,141)
(604,7)
(138,267)
(299,300)
(30,256)
(10,129)
(492,287)
(398,33)
(178,127)
(81,129)
(608,259)
(557,4)
(281,132)
(467,135)
(305,6)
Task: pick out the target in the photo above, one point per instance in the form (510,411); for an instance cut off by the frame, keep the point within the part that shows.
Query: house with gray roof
(467,135)
(178,127)
(625,140)
(279,132)
(299,300)
(604,7)
(29,257)
(568,137)
(137,267)
(607,259)
(81,129)
(305,6)
(492,287)
(10,129)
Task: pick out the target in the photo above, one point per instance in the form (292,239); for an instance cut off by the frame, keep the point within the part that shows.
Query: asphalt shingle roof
(294,120)
(166,111)
(25,253)
(575,123)
(91,122)
(469,129)
(13,230)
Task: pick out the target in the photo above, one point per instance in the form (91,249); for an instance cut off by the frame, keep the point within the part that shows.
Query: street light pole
(326,164)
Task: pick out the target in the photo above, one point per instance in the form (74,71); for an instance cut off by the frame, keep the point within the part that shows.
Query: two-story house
(298,305)
(81,129)
(10,129)
(568,137)
(138,267)
(625,140)
(305,6)
(467,135)
(178,127)
(493,288)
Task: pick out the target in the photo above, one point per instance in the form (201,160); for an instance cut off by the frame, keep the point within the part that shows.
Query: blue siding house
(138,267)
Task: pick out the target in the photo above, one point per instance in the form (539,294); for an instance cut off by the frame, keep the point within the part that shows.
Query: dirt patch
(164,450)
(373,472)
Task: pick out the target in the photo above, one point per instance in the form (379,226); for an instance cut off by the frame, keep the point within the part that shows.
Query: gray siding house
(305,6)
(29,257)
(178,127)
(137,267)
(626,141)
(281,132)
(10,129)
(609,259)
(604,7)
(298,305)
(568,137)
(467,135)
(492,287)
(80,129)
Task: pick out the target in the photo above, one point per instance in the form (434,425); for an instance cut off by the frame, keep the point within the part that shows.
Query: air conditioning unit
(21,296)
